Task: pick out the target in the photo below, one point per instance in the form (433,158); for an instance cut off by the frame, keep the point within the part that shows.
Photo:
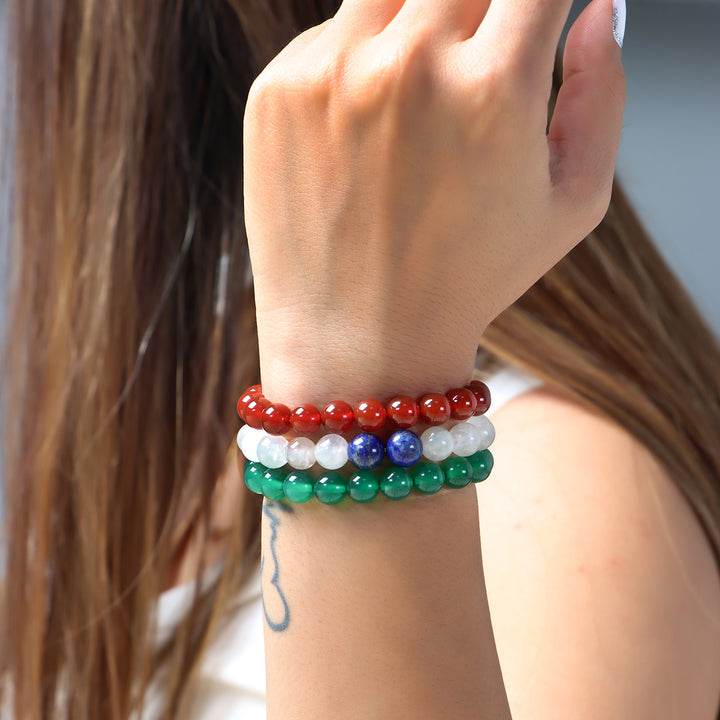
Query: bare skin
(595,590)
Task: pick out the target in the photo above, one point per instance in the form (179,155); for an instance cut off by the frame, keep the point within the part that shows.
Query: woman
(400,197)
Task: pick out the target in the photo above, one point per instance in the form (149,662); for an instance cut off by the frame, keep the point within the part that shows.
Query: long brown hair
(131,332)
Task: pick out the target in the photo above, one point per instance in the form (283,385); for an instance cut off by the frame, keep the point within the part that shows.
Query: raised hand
(401,189)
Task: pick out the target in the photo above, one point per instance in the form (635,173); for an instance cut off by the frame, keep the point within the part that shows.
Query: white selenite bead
(467,438)
(331,451)
(487,430)
(249,443)
(301,453)
(242,432)
(272,451)
(438,443)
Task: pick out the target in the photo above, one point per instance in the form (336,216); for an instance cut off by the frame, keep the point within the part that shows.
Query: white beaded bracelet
(331,451)
(464,439)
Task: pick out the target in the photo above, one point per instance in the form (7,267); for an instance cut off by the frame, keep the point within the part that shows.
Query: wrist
(300,367)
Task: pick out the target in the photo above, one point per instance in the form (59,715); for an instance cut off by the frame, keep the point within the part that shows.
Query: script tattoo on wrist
(272,511)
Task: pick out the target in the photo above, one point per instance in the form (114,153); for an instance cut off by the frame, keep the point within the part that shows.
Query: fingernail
(618,21)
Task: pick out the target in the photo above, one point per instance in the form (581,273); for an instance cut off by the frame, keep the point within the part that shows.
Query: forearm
(379,611)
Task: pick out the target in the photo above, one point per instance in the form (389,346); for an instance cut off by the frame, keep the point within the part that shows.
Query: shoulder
(603,590)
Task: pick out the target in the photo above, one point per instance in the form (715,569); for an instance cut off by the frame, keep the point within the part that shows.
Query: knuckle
(489,87)
(383,72)
(298,85)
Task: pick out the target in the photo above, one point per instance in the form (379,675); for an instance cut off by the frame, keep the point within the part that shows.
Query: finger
(457,19)
(584,133)
(527,30)
(367,17)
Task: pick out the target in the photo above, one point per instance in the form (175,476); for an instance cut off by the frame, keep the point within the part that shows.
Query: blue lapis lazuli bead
(404,448)
(366,451)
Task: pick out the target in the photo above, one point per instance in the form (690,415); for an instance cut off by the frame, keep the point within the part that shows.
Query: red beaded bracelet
(371,415)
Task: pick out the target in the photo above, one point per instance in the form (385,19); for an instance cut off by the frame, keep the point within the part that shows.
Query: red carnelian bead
(482,394)
(403,411)
(306,420)
(462,403)
(338,416)
(434,408)
(276,419)
(246,397)
(370,415)
(254,411)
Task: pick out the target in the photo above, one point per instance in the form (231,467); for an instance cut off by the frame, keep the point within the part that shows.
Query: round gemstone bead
(249,443)
(403,411)
(434,408)
(330,488)
(370,415)
(253,476)
(458,471)
(338,416)
(396,483)
(428,477)
(272,451)
(404,448)
(272,483)
(462,403)
(482,394)
(366,451)
(331,451)
(276,419)
(486,428)
(254,411)
(301,453)
(437,443)
(306,420)
(363,486)
(467,439)
(245,398)
(298,486)
(482,463)
(242,432)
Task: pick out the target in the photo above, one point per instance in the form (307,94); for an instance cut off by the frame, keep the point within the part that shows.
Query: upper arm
(603,590)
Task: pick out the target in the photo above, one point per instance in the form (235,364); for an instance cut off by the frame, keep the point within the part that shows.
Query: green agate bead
(458,471)
(428,477)
(482,463)
(272,483)
(298,486)
(253,476)
(396,483)
(363,486)
(329,488)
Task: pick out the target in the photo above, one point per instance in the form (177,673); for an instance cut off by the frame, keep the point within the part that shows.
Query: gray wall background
(669,157)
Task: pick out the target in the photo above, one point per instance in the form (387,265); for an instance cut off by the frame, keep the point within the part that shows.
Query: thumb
(584,133)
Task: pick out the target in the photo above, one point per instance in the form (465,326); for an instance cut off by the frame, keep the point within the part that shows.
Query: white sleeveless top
(231,680)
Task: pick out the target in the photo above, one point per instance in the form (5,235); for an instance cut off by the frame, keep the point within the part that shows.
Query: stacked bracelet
(364,486)
(365,451)
(455,456)
(371,415)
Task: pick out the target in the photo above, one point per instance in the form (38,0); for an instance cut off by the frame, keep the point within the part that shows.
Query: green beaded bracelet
(394,482)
